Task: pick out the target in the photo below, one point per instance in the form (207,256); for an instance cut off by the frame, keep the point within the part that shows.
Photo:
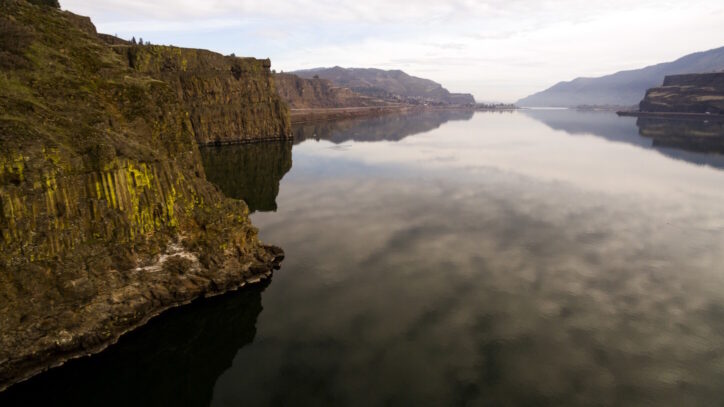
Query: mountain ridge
(391,85)
(623,88)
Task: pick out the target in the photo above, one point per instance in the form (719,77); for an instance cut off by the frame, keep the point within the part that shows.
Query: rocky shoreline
(245,140)
(88,342)
(106,216)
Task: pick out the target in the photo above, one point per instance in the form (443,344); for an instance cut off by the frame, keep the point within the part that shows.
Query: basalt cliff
(106,215)
(312,93)
(692,93)
(229,99)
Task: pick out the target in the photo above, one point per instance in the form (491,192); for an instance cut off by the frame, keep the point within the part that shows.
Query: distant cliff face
(228,99)
(105,212)
(693,93)
(302,93)
(389,85)
(625,88)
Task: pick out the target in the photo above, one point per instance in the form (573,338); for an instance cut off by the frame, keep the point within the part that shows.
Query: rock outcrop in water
(693,93)
(107,218)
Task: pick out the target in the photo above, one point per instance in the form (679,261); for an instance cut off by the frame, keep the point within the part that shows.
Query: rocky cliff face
(228,99)
(106,216)
(692,93)
(301,93)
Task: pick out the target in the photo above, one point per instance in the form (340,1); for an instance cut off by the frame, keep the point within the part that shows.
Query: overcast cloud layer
(499,50)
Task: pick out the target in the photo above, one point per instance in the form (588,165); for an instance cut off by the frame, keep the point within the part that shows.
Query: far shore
(335,113)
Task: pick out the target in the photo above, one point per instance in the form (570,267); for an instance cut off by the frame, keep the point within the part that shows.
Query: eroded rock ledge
(106,216)
(688,96)
(176,278)
(691,93)
(228,99)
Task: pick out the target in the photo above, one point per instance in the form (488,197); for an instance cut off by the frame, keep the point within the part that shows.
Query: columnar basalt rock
(228,99)
(106,215)
(302,93)
(691,93)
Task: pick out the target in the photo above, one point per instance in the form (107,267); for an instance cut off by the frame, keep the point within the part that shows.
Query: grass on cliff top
(63,89)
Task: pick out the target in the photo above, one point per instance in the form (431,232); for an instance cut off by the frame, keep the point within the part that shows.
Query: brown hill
(301,93)
(394,85)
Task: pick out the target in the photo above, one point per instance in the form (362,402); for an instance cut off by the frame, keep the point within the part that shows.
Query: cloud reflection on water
(533,267)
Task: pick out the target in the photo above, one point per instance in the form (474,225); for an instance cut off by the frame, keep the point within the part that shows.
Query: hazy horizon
(497,50)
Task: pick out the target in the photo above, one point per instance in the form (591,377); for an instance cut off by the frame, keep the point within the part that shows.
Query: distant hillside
(625,88)
(388,85)
(302,93)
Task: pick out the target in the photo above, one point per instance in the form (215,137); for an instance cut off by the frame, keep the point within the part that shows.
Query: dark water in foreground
(528,258)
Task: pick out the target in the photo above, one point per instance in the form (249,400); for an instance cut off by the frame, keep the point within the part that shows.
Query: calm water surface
(527,258)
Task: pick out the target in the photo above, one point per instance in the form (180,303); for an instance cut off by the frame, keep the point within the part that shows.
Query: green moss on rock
(228,99)
(101,182)
(49,3)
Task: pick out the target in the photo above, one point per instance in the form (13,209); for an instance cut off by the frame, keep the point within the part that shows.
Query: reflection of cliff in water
(391,127)
(681,140)
(251,172)
(690,135)
(175,360)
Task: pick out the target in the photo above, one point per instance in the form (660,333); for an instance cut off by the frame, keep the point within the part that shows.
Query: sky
(498,50)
